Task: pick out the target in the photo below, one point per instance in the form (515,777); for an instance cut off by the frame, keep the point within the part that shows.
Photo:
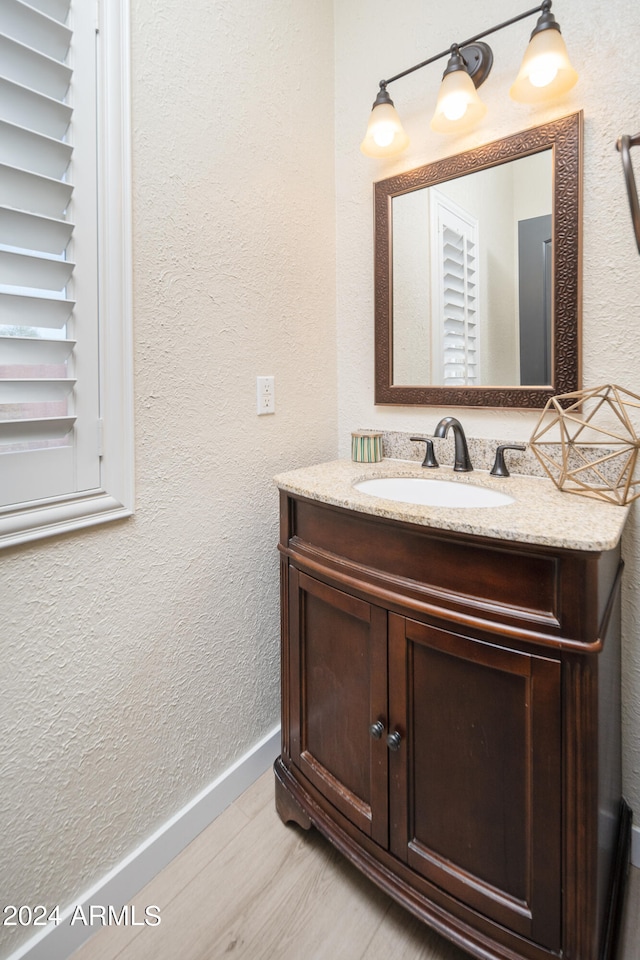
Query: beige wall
(374,41)
(140,659)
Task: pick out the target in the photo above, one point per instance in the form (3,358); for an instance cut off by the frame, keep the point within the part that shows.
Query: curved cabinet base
(288,807)
(295,804)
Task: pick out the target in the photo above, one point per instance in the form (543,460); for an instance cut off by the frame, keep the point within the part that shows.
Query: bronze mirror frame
(564,138)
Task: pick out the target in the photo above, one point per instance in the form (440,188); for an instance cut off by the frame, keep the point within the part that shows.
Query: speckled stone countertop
(540,513)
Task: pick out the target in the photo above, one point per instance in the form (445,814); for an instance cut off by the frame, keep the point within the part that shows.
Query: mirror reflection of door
(534,295)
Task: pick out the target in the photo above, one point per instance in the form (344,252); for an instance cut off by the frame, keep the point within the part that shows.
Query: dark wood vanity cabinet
(450,721)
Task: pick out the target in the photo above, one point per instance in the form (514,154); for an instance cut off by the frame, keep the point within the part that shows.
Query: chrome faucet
(462,460)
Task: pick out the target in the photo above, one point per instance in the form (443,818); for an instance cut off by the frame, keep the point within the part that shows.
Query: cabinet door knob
(376,729)
(393,740)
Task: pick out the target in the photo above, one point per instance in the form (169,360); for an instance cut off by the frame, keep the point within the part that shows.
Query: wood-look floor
(250,888)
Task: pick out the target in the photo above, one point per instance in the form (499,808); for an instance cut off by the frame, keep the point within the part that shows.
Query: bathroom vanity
(451,704)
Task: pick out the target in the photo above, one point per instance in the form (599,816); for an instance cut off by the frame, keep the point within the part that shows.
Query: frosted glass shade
(459,105)
(385,135)
(546,71)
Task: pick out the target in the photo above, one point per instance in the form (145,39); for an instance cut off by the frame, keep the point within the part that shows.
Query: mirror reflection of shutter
(455,308)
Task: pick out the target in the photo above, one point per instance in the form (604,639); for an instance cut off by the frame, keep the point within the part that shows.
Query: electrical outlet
(266,395)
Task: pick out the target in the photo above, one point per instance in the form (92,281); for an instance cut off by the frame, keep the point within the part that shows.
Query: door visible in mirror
(471,301)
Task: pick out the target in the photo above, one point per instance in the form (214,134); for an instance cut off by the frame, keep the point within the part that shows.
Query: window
(65,253)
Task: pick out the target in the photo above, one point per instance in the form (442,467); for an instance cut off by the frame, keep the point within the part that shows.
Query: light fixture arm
(543,8)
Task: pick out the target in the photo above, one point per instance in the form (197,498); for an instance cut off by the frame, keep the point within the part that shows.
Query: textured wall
(372,42)
(139,659)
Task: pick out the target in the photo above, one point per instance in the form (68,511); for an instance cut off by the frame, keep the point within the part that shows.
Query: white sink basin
(433,493)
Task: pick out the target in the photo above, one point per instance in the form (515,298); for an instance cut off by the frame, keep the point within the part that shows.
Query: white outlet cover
(265,395)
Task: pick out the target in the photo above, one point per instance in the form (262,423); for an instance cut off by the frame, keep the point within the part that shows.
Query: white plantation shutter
(63,77)
(35,356)
(455,308)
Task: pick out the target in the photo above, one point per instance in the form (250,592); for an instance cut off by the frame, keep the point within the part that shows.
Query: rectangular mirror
(477,273)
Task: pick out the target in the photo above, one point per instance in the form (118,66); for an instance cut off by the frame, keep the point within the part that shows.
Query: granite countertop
(540,513)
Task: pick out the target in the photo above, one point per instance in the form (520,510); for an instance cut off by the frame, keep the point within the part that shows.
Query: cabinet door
(338,671)
(476,784)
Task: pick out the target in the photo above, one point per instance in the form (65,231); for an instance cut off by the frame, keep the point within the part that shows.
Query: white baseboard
(635,845)
(135,871)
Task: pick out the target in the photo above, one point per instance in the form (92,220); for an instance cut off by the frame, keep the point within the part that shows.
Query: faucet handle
(499,468)
(429,456)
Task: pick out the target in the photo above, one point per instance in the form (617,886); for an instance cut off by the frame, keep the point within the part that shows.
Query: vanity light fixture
(459,105)
(545,73)
(385,135)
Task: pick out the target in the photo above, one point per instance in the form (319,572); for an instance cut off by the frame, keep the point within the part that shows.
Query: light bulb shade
(459,105)
(385,136)
(546,71)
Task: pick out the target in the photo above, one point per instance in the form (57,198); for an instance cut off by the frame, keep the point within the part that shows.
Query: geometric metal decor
(588,443)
